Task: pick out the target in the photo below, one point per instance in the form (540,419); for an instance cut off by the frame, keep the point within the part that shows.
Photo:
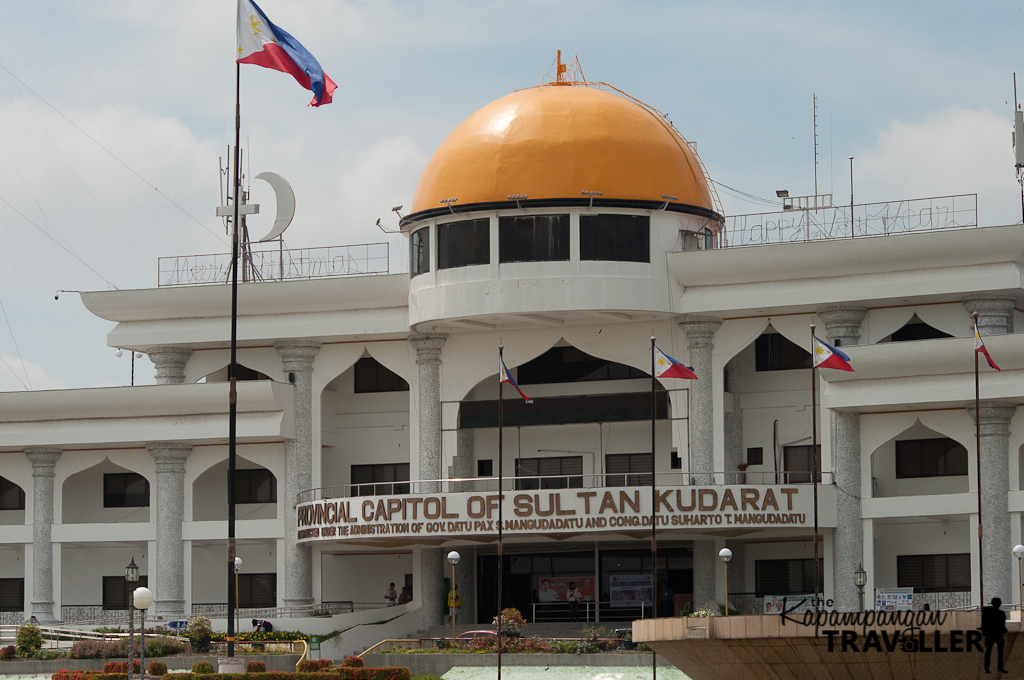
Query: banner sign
(894,599)
(789,604)
(630,590)
(557,511)
(555,588)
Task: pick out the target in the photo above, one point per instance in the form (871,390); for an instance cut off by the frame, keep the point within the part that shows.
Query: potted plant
(511,622)
(199,631)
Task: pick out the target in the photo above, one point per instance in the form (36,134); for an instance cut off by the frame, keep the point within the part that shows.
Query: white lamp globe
(118,353)
(142,597)
(1018,551)
(454,557)
(725,554)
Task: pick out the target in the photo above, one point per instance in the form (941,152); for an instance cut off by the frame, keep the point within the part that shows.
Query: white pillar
(428,359)
(169,562)
(170,363)
(298,356)
(994,310)
(994,486)
(44,460)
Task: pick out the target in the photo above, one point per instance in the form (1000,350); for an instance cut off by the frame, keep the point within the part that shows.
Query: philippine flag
(667,367)
(827,356)
(979,346)
(262,43)
(503,376)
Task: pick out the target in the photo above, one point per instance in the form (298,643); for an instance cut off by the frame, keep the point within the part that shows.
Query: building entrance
(615,583)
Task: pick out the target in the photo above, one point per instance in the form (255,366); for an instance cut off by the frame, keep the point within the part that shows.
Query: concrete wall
(83,569)
(916,538)
(209,566)
(883,468)
(210,495)
(363,577)
(83,496)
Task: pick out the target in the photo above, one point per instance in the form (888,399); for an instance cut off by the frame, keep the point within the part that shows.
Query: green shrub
(75,675)
(162,646)
(255,667)
(202,667)
(157,668)
(29,639)
(8,652)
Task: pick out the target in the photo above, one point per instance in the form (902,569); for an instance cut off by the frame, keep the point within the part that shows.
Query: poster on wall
(630,590)
(556,588)
(790,604)
(894,599)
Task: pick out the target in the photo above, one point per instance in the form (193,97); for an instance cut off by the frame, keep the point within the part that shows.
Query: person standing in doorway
(454,604)
(391,595)
(574,596)
(993,627)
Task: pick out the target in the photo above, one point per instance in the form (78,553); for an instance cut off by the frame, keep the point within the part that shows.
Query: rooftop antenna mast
(815,144)
(1018,143)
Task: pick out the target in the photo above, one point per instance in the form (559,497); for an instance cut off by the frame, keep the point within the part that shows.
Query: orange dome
(553,142)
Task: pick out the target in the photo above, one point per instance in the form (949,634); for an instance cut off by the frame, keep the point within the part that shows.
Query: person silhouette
(993,627)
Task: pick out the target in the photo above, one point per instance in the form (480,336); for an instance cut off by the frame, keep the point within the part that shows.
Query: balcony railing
(868,219)
(12,618)
(92,613)
(272,264)
(488,484)
(219,610)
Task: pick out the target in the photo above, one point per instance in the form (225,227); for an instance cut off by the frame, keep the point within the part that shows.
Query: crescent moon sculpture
(285,203)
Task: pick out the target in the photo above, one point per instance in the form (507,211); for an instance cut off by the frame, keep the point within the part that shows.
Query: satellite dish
(285,203)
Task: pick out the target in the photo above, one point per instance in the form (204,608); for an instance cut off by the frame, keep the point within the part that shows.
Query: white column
(994,310)
(428,359)
(994,486)
(843,328)
(700,332)
(169,565)
(431,586)
(170,363)
(298,356)
(44,460)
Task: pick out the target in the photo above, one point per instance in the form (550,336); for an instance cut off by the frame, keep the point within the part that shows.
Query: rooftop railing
(530,483)
(838,222)
(275,264)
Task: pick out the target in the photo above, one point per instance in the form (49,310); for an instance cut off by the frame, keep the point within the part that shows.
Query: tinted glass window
(116,589)
(551,468)
(774,352)
(12,594)
(934,573)
(626,469)
(257,590)
(535,238)
(622,238)
(419,252)
(12,497)
(125,490)
(379,479)
(461,244)
(930,458)
(786,577)
(255,486)
(372,376)
(568,364)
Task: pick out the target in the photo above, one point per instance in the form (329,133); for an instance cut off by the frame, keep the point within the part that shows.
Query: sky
(114,114)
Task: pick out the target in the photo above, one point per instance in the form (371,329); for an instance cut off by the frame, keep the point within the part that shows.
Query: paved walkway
(562,673)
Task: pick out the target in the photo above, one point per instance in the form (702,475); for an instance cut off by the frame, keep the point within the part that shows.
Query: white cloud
(13,375)
(957,151)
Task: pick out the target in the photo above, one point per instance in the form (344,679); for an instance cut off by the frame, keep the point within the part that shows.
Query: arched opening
(919,461)
(255,492)
(915,329)
(243,373)
(365,431)
(12,503)
(105,493)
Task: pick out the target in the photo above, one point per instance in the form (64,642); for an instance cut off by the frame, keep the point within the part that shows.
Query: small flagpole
(654,509)
(501,477)
(814,467)
(232,371)
(977,445)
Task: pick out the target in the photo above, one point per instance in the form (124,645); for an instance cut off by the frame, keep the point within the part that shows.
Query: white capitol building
(568,223)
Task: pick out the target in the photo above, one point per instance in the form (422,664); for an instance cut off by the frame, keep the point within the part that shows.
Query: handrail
(305,654)
(581,481)
(389,642)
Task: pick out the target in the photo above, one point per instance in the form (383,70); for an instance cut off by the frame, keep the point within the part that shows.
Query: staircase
(541,630)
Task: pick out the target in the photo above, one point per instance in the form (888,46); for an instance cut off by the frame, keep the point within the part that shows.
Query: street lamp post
(1018,552)
(143,598)
(453,559)
(131,577)
(725,555)
(238,565)
(860,579)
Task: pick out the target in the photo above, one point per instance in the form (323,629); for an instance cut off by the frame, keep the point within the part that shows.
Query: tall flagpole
(232,394)
(501,477)
(654,512)
(814,467)
(977,446)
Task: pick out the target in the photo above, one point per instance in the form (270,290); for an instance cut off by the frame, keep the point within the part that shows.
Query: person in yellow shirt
(454,603)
